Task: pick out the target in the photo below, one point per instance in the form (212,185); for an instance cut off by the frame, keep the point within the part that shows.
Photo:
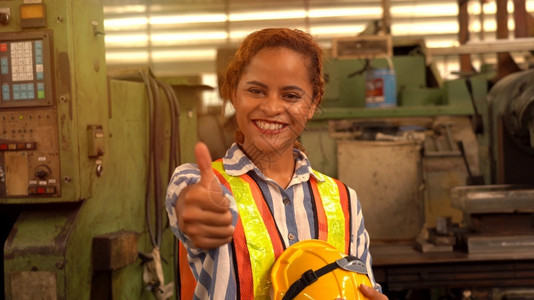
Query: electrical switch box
(95,142)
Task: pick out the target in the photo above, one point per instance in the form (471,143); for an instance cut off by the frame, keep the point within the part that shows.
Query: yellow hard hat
(314,269)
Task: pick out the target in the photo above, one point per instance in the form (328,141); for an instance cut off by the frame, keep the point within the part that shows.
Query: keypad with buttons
(22,72)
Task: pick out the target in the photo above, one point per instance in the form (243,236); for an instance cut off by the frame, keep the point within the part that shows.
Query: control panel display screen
(25,70)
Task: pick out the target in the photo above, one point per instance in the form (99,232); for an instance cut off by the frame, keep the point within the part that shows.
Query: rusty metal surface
(458,275)
(39,126)
(463,35)
(33,285)
(386,177)
(114,250)
(401,266)
(403,254)
(505,244)
(30,236)
(502,224)
(493,198)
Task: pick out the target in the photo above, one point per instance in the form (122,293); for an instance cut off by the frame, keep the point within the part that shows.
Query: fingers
(371,293)
(206,229)
(211,232)
(197,215)
(199,231)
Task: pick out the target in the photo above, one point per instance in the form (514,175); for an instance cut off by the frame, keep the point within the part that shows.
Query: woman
(236,215)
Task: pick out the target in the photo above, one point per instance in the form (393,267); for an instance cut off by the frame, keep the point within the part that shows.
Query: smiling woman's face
(273,100)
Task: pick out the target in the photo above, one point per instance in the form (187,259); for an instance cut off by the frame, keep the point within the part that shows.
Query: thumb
(203,157)
(207,176)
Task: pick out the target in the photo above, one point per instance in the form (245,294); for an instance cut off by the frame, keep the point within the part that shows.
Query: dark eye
(292,97)
(256,91)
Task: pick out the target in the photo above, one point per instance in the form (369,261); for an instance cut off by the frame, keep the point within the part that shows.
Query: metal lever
(476,119)
(471,180)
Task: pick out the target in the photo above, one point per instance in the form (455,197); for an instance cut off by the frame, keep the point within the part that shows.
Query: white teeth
(269,126)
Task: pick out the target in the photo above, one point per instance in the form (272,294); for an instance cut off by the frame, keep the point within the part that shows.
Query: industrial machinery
(499,215)
(407,153)
(444,176)
(82,183)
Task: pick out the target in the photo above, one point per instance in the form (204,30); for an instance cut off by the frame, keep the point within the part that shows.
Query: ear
(233,99)
(313,107)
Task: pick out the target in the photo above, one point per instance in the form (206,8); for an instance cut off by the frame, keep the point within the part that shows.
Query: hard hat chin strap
(349,263)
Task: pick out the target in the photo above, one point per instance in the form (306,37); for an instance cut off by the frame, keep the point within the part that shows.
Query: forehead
(278,53)
(278,63)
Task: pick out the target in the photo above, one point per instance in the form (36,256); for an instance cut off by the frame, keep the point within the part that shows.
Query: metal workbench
(402,266)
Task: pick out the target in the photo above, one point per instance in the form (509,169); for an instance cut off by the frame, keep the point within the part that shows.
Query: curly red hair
(293,39)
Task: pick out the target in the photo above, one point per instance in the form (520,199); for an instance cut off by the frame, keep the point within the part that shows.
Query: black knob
(41,174)
(4,18)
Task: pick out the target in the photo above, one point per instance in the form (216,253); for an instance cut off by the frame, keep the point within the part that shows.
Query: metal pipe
(463,34)
(508,45)
(520,19)
(505,63)
(386,16)
(482,33)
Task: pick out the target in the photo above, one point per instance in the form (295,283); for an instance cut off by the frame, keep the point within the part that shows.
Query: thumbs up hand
(202,211)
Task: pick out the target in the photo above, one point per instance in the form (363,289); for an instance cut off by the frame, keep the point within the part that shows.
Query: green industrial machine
(420,93)
(444,176)
(402,157)
(85,158)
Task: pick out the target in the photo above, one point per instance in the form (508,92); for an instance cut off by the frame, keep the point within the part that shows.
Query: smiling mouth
(269,126)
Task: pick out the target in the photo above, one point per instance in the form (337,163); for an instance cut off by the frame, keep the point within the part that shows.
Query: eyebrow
(285,88)
(257,83)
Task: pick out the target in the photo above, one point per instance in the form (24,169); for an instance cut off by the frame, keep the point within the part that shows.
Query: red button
(40,190)
(3,146)
(3,47)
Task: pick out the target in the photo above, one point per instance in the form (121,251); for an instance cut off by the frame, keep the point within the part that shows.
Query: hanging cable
(156,159)
(149,160)
(154,185)
(174,160)
(174,151)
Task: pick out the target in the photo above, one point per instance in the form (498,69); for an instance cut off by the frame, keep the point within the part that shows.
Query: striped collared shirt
(292,211)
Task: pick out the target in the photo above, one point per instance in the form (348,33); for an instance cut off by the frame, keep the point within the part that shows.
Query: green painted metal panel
(60,240)
(37,243)
(320,148)
(456,92)
(410,71)
(345,92)
(415,96)
(345,88)
(57,239)
(88,79)
(409,111)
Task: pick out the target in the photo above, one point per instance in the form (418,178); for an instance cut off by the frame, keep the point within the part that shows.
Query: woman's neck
(281,171)
(278,166)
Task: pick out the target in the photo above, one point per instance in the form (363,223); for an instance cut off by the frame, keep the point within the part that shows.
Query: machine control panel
(29,153)
(29,139)
(25,76)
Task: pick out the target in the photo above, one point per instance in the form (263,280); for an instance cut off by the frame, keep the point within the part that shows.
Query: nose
(273,104)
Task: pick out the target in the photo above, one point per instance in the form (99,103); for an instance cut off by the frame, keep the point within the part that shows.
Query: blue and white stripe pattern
(293,213)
